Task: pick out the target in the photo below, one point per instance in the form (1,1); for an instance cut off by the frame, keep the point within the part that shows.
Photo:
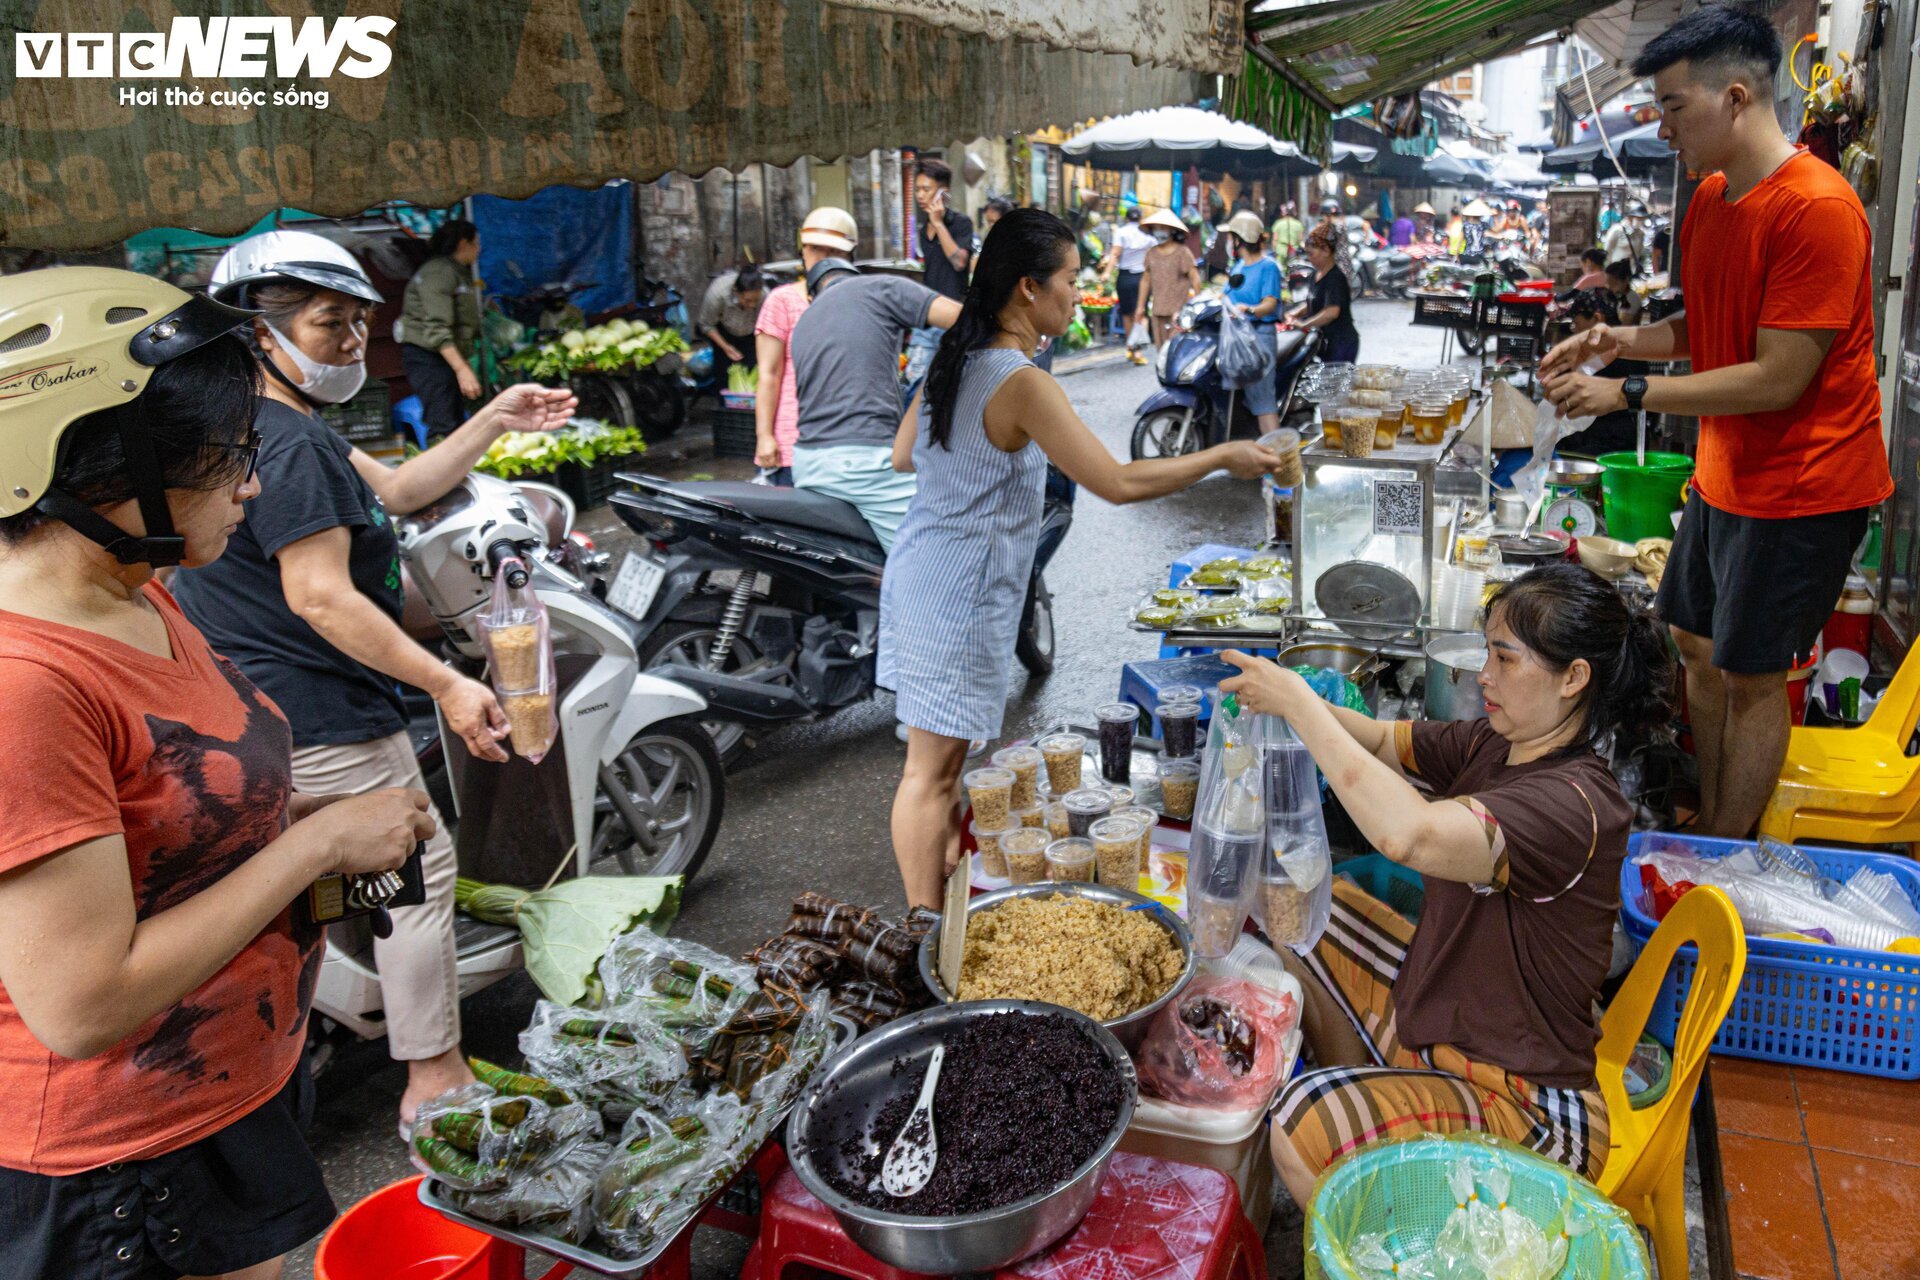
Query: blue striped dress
(956,578)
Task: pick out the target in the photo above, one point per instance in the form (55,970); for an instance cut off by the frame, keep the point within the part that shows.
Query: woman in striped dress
(957,575)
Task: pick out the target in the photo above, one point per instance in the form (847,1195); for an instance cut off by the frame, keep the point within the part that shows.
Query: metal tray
(594,1261)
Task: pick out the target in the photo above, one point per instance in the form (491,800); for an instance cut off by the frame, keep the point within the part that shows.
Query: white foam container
(1234,1142)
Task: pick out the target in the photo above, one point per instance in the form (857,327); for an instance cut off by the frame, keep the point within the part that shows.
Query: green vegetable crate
(733,431)
(590,485)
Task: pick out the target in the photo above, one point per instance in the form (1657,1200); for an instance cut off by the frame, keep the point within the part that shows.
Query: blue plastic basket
(1799,1002)
(1401,888)
(1399,1190)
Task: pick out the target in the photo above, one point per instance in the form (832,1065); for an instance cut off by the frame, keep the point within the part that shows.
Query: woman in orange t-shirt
(154,980)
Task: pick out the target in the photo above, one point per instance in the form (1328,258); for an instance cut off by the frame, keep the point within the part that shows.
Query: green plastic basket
(1399,1190)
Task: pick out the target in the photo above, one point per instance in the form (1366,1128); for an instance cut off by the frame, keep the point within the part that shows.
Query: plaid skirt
(1334,1112)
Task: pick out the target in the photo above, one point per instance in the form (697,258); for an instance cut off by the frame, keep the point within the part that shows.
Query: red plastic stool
(1153,1220)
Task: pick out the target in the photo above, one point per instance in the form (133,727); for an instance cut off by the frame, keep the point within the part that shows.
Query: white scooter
(633,776)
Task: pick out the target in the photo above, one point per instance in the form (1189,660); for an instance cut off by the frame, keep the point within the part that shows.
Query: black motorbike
(1194,409)
(766,600)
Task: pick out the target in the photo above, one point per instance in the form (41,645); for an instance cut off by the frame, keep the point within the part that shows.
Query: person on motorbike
(1330,306)
(951,600)
(1256,295)
(439,323)
(846,353)
(307,599)
(155,975)
(776,410)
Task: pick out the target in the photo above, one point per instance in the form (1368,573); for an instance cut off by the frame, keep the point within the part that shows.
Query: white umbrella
(1518,170)
(1176,137)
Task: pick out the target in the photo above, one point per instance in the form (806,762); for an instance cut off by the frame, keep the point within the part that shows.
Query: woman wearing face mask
(957,574)
(1172,277)
(307,598)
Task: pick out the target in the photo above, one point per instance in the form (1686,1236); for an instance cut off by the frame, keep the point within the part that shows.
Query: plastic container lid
(1026,840)
(1115,827)
(1178,710)
(1179,693)
(1070,852)
(1087,800)
(1122,797)
(1009,757)
(1118,711)
(1063,742)
(988,778)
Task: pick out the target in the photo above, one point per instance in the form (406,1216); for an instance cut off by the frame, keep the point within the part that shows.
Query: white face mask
(327,383)
(1161,237)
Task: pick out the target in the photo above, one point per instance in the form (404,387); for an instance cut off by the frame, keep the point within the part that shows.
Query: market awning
(1306,60)
(516,95)
(1192,35)
(1179,137)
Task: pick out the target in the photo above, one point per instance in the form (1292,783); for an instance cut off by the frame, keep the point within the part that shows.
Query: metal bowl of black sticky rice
(1131,1028)
(834,1132)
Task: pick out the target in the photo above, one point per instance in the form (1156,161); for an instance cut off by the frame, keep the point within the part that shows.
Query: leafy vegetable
(613,347)
(583,440)
(565,930)
(743,380)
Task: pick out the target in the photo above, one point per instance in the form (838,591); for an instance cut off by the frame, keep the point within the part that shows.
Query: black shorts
(1760,589)
(243,1195)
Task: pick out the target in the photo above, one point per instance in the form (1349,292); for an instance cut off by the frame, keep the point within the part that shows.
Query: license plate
(635,586)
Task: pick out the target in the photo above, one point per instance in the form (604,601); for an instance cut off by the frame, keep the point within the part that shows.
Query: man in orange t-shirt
(1774,260)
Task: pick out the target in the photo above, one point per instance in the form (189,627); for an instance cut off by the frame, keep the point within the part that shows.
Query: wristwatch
(1635,390)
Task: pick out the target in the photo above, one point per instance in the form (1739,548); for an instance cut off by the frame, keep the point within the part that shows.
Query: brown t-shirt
(1508,973)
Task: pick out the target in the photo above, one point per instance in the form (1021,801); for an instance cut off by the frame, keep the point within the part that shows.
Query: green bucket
(1640,499)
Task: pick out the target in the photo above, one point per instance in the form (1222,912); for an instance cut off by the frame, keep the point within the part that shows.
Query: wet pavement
(807,808)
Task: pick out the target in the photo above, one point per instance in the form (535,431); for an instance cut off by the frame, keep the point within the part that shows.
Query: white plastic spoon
(910,1159)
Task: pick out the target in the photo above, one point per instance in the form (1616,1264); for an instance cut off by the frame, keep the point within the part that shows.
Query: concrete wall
(693,228)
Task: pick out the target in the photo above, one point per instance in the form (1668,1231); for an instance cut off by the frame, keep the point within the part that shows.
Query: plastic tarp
(558,236)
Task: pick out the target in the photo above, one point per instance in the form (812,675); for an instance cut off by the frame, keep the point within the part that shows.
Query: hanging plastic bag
(1138,337)
(1296,873)
(1229,826)
(1245,358)
(520,660)
(1220,1044)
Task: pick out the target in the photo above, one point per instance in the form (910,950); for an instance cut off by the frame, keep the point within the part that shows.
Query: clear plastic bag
(1296,873)
(1221,1044)
(667,1162)
(680,981)
(1245,357)
(475,1139)
(1229,827)
(614,1055)
(520,662)
(555,1199)
(1776,889)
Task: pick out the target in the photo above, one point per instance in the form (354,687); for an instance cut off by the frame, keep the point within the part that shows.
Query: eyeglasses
(249,449)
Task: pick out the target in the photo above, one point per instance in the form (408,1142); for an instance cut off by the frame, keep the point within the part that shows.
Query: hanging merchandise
(1296,880)
(520,660)
(1229,827)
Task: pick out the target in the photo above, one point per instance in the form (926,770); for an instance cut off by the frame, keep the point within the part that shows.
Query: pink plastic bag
(1218,1045)
(520,663)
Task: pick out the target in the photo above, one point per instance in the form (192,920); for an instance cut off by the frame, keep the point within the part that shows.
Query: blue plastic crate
(1402,888)
(1798,1002)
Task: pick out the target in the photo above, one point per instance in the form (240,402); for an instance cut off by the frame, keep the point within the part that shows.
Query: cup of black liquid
(1179,724)
(1117,720)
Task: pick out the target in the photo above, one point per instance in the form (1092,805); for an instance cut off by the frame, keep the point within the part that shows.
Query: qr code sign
(1397,506)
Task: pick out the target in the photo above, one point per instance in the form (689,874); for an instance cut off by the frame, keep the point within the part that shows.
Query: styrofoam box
(1234,1142)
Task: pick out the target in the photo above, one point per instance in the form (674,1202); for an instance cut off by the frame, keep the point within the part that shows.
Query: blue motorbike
(1194,409)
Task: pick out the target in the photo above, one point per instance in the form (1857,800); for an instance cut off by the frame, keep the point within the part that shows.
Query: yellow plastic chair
(1647,1149)
(1854,785)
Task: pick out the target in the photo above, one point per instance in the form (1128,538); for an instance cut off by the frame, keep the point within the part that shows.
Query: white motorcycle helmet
(289,255)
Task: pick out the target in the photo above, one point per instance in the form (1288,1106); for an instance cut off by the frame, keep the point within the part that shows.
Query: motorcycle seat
(784,506)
